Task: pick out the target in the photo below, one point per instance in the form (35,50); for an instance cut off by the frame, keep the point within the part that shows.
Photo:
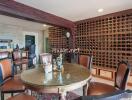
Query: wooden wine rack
(108,38)
(57,38)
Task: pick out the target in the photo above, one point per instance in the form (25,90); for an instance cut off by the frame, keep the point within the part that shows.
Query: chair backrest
(16,55)
(4,55)
(24,54)
(86,61)
(6,69)
(74,58)
(45,58)
(122,74)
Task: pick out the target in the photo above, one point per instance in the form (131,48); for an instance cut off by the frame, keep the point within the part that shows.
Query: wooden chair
(96,88)
(74,57)
(45,58)
(22,96)
(19,59)
(8,82)
(86,61)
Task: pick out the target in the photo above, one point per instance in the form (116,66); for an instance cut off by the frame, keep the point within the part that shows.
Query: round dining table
(72,76)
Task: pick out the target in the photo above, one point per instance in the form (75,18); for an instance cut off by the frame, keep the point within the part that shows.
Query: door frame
(36,40)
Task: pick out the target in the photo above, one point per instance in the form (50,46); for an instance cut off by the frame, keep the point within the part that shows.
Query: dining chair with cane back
(45,58)
(123,70)
(9,83)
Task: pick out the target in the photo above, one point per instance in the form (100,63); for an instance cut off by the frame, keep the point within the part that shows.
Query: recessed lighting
(100,10)
(44,25)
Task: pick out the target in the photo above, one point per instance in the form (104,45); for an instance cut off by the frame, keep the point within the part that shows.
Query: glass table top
(72,73)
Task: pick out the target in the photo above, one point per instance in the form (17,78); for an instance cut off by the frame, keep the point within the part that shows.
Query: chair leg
(59,96)
(85,87)
(15,69)
(31,93)
(84,90)
(12,95)
(2,96)
(20,67)
(26,66)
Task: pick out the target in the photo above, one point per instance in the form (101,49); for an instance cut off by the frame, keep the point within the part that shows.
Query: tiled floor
(79,91)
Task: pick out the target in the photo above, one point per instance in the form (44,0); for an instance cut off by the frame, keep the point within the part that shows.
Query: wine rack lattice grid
(57,39)
(108,38)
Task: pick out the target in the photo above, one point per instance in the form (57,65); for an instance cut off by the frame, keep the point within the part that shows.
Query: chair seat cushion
(22,96)
(96,88)
(24,61)
(21,61)
(18,62)
(13,85)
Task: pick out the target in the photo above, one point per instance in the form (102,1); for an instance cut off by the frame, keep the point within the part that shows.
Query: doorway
(29,40)
(47,45)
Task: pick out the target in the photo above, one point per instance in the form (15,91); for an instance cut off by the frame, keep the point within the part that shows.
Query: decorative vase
(47,68)
(58,63)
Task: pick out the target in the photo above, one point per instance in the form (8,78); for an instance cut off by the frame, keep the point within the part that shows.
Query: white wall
(46,35)
(16,29)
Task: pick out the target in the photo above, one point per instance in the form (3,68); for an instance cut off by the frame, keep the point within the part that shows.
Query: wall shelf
(5,40)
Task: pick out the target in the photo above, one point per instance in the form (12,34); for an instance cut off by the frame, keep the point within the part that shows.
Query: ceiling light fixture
(100,10)
(44,25)
(67,34)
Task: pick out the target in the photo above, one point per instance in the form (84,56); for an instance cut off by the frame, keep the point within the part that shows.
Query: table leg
(63,96)
(85,88)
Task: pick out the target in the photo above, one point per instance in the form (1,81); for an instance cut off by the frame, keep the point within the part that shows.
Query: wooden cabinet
(130,80)
(106,74)
(102,72)
(94,71)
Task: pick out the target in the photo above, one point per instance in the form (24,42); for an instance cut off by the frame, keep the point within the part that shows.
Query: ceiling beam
(18,10)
